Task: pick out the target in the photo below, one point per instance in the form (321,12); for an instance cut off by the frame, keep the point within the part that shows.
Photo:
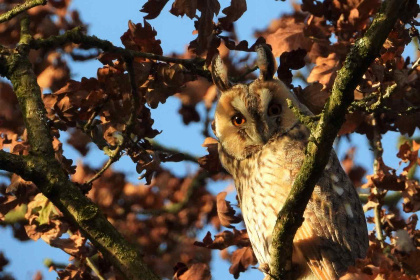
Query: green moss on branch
(21,8)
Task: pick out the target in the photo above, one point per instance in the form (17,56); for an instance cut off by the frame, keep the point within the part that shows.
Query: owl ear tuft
(266,62)
(219,73)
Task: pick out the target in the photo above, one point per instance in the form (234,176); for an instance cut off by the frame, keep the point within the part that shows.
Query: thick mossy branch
(21,8)
(358,60)
(41,167)
(77,36)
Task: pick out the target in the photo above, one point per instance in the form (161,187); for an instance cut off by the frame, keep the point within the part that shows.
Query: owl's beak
(257,139)
(263,132)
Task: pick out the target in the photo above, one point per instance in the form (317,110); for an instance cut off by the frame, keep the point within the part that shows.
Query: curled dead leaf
(242,258)
(211,161)
(225,211)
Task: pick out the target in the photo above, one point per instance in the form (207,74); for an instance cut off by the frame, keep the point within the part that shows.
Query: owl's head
(248,115)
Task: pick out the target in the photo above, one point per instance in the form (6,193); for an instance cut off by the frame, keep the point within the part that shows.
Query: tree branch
(378,151)
(159,147)
(41,167)
(361,55)
(308,120)
(21,8)
(76,35)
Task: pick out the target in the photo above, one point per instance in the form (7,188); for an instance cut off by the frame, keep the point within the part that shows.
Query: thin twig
(187,156)
(379,193)
(368,106)
(21,8)
(378,224)
(94,268)
(90,263)
(415,65)
(110,161)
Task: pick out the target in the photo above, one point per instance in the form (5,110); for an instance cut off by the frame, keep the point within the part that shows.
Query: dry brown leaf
(184,7)
(211,161)
(204,26)
(411,196)
(241,259)
(153,8)
(73,246)
(289,36)
(325,70)
(293,60)
(7,203)
(233,13)
(313,97)
(225,211)
(225,239)
(140,37)
(197,271)
(409,153)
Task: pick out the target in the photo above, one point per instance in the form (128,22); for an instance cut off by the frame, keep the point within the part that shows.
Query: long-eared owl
(262,145)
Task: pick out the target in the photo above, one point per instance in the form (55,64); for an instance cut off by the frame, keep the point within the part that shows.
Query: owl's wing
(334,232)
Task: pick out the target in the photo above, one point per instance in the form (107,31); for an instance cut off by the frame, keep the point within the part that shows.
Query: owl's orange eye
(238,119)
(274,109)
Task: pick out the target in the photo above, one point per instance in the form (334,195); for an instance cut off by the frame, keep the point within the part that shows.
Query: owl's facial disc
(238,125)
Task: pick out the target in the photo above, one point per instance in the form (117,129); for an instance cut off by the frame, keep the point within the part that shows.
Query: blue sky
(108,20)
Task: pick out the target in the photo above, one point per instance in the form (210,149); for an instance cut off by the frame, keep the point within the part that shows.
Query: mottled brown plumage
(262,145)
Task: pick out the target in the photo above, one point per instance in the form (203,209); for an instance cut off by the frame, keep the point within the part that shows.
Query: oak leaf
(325,70)
(225,239)
(211,161)
(140,37)
(153,8)
(197,271)
(313,96)
(184,7)
(289,35)
(225,211)
(233,13)
(241,259)
(292,60)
